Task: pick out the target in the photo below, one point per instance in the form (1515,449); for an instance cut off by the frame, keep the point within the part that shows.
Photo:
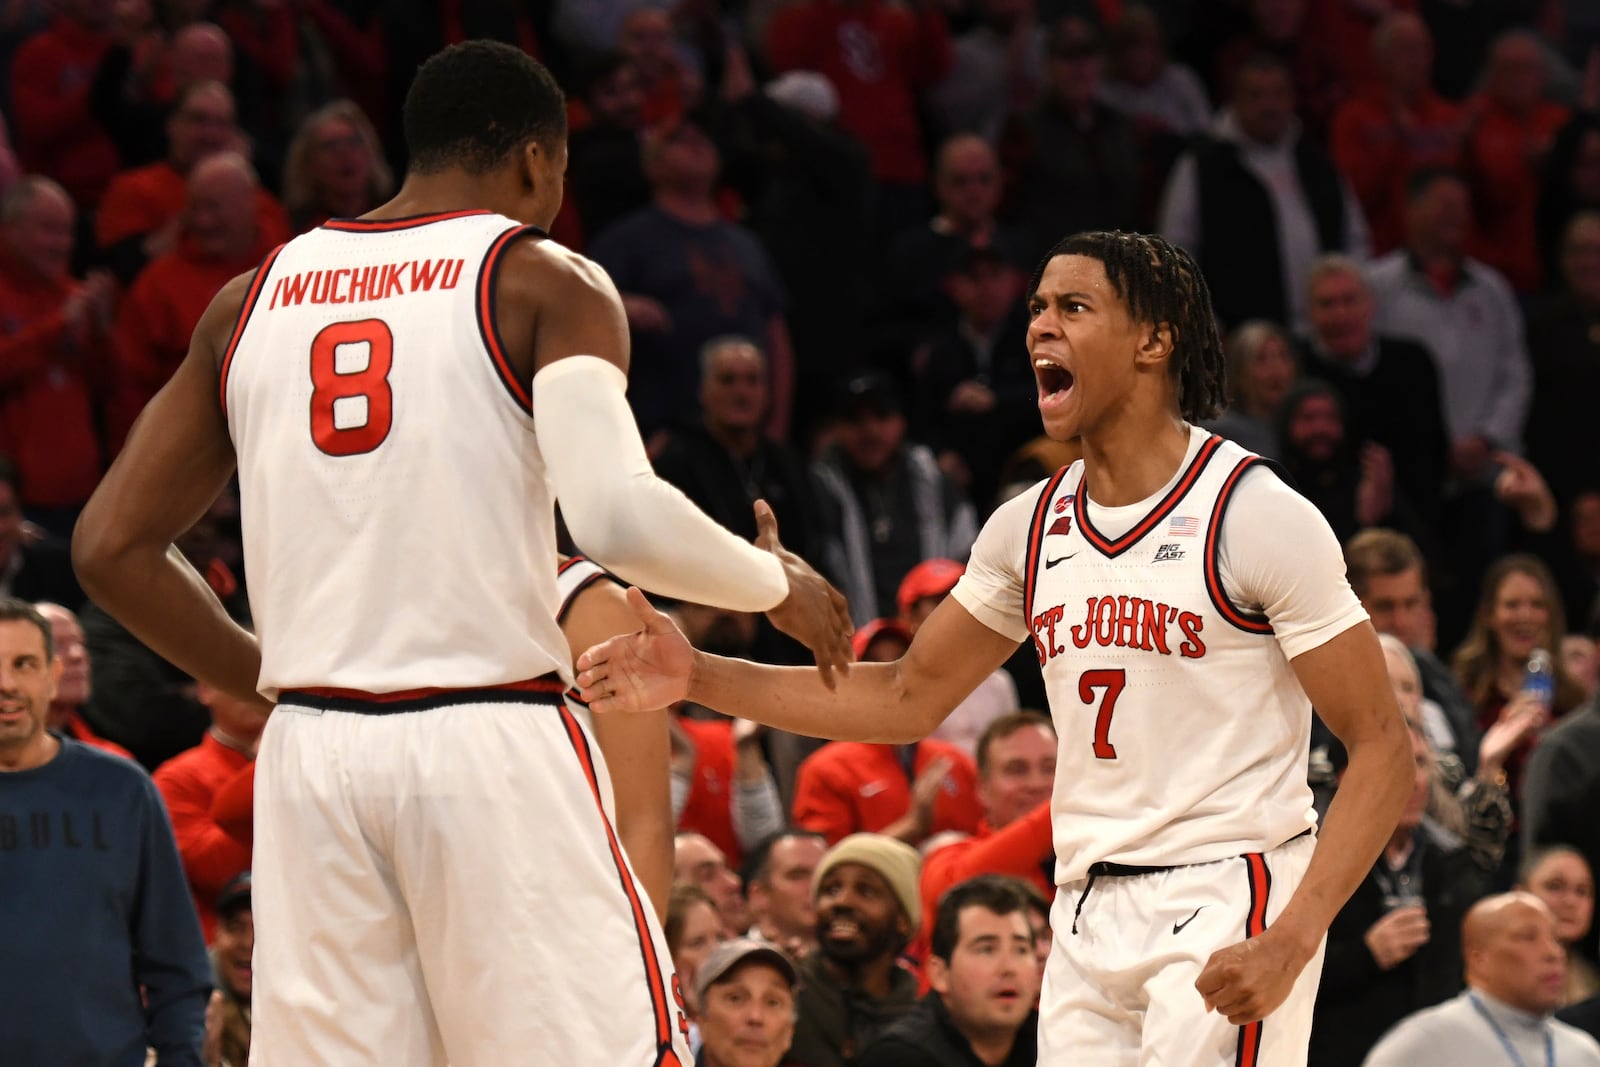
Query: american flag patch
(1183,526)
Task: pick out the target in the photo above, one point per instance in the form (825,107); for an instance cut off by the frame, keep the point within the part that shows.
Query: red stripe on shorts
(1260,885)
(652,965)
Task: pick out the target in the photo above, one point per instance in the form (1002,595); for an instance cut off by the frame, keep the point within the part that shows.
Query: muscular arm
(618,511)
(1349,686)
(890,703)
(635,747)
(177,460)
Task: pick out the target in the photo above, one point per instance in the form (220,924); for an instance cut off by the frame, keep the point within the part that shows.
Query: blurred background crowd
(822,215)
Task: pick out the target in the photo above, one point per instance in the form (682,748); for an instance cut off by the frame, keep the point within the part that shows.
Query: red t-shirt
(56,135)
(879,58)
(847,787)
(709,809)
(188,783)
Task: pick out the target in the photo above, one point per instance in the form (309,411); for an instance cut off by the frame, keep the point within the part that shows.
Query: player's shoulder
(554,270)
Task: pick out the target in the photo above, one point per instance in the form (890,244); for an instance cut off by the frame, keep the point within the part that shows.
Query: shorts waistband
(1124,870)
(547,690)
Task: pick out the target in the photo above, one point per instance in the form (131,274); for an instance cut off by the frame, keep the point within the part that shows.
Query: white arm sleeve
(623,516)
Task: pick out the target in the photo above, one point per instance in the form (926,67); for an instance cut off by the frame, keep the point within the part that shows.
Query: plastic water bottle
(1539,680)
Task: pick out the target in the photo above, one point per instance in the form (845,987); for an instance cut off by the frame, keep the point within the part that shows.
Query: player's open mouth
(1055,381)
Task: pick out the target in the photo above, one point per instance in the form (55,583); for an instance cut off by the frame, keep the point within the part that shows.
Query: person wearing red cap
(923,589)
(909,792)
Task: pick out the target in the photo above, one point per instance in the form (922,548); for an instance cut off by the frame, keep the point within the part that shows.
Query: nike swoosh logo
(1052,562)
(872,789)
(1177,928)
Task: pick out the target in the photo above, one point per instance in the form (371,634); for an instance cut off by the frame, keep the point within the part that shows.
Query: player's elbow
(603,526)
(99,551)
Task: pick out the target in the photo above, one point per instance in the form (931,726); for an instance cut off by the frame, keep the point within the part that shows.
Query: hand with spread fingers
(1248,981)
(814,613)
(641,671)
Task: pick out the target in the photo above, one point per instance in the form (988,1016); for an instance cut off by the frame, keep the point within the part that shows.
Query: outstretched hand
(642,671)
(814,613)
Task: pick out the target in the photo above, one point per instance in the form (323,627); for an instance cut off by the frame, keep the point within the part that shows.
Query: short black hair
(758,861)
(476,103)
(13,609)
(993,892)
(1423,179)
(1161,284)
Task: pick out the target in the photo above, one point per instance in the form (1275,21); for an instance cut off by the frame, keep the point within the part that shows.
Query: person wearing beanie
(852,986)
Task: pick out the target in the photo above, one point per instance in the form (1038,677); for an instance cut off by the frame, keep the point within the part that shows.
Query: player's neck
(431,194)
(1129,460)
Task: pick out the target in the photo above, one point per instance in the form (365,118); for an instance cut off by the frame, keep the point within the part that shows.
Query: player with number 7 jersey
(1187,608)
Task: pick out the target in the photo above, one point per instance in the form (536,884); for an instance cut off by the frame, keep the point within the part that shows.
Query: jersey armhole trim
(488,279)
(1036,528)
(1249,622)
(241,320)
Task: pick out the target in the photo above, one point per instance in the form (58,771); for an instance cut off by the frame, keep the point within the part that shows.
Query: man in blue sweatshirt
(103,956)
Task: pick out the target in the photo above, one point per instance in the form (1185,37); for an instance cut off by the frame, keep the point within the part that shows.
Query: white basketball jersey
(1183,730)
(574,576)
(398,531)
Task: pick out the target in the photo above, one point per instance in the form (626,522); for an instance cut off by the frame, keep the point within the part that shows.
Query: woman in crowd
(693,929)
(335,168)
(1261,371)
(1560,877)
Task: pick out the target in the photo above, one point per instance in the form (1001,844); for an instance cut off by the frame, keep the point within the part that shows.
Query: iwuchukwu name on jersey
(355,285)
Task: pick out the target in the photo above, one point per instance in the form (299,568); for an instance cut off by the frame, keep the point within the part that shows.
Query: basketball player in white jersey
(405,396)
(1188,608)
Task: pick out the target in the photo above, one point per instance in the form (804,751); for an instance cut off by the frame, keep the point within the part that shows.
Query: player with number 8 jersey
(406,397)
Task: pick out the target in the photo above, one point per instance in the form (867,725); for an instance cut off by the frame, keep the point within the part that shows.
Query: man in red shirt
(142,214)
(74,688)
(1016,770)
(881,58)
(221,238)
(54,350)
(189,782)
(908,792)
(50,79)
(1395,126)
(1510,128)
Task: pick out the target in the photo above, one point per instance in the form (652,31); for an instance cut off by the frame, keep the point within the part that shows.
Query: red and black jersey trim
(1036,534)
(1249,1051)
(405,222)
(655,974)
(547,689)
(600,575)
(1249,622)
(241,320)
(488,279)
(1114,547)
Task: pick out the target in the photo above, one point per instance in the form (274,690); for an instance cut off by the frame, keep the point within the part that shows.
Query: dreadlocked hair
(1161,284)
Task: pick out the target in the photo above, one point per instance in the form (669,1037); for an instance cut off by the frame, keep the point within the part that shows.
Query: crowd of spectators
(821,215)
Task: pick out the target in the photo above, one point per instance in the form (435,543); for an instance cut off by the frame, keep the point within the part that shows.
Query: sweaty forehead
(1074,273)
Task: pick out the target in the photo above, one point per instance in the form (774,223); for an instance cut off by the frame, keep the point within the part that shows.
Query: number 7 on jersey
(1112,682)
